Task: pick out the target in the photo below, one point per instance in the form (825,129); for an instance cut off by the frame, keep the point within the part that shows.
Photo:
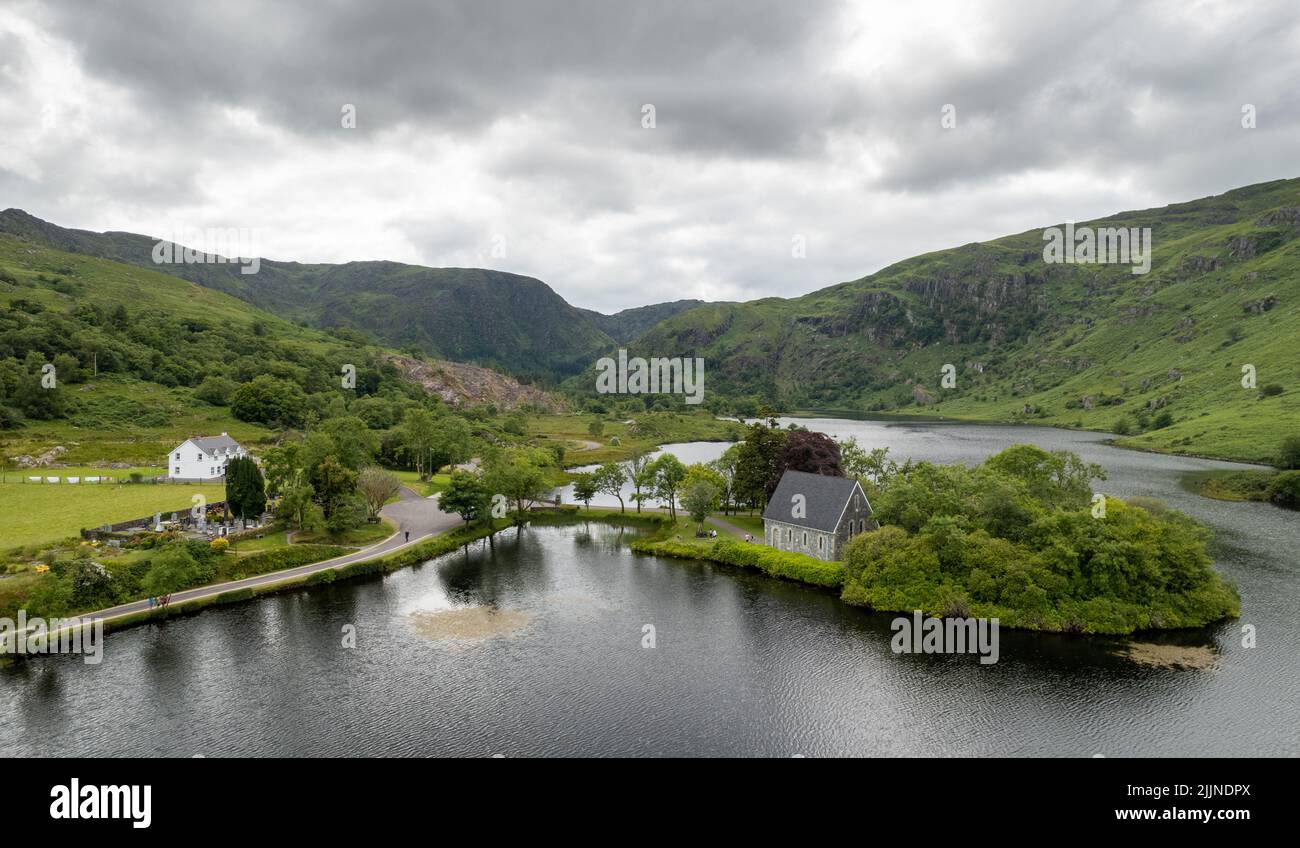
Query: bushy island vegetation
(1280,487)
(1020,538)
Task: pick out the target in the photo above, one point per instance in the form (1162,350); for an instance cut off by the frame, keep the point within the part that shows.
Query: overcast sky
(519,125)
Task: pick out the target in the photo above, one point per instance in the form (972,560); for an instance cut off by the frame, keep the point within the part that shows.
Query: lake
(533,646)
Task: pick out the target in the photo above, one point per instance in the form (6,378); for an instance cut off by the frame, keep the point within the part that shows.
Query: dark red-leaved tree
(805,450)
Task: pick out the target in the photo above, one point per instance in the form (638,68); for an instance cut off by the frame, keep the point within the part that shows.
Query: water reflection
(743,665)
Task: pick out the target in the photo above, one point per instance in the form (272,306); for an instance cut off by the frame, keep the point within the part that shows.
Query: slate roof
(824,498)
(211,444)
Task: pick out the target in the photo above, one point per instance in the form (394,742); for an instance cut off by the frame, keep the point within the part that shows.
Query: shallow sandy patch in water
(469,623)
(1171,656)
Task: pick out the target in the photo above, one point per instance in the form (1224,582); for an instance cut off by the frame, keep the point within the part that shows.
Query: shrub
(1271,390)
(1289,455)
(278,559)
(220,545)
(1285,489)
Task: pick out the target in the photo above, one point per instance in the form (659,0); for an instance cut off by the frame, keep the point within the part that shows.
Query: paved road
(421,516)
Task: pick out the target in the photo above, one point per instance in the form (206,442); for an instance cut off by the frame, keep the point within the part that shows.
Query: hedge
(276,559)
(774,563)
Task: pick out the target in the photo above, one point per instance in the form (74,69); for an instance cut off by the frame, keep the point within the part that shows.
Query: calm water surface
(533,646)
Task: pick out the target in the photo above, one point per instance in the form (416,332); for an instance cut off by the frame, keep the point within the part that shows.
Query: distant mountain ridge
(487,317)
(628,324)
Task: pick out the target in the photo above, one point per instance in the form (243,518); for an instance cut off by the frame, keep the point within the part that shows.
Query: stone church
(815,514)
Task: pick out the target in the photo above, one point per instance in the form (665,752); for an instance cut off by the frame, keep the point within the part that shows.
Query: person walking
(408,535)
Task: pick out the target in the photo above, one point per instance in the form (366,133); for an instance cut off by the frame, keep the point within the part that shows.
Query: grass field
(651,430)
(432,486)
(32,513)
(20,475)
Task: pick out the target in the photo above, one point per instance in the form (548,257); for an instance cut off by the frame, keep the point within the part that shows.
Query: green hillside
(143,360)
(463,314)
(1091,346)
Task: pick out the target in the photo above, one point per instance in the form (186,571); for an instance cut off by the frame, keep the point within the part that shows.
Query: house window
(789,534)
(178,456)
(178,470)
(862,525)
(200,458)
(821,543)
(805,539)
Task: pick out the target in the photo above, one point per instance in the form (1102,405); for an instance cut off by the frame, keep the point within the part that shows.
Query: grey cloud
(451,66)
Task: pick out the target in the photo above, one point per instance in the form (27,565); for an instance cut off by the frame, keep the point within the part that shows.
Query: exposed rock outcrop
(459,384)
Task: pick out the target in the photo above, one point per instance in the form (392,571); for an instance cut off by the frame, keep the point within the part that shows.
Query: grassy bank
(442,544)
(1281,488)
(619,439)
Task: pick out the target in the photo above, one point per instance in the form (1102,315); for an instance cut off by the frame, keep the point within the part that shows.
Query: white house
(203,457)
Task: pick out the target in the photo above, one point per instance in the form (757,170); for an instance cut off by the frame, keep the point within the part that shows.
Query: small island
(1021,537)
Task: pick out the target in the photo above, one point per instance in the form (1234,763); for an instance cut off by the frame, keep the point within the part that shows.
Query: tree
(668,475)
(467,496)
(1289,455)
(376,485)
(517,474)
(333,482)
(245,488)
(298,507)
(1058,479)
(215,390)
(807,451)
(267,400)
(635,468)
(584,489)
(354,444)
(349,511)
(283,467)
(418,434)
(726,466)
(757,463)
(596,428)
(433,442)
(609,479)
(699,498)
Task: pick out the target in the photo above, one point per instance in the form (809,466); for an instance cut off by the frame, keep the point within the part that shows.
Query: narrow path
(420,516)
(724,524)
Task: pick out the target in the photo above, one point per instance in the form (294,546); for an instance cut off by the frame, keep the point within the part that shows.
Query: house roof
(212,444)
(825,499)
